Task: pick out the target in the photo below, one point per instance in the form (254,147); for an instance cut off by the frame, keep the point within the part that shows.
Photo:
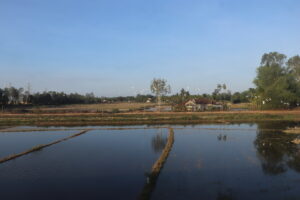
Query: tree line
(17,96)
(217,95)
(277,86)
(12,96)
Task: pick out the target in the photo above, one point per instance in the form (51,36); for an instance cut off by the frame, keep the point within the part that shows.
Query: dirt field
(141,117)
(240,105)
(92,108)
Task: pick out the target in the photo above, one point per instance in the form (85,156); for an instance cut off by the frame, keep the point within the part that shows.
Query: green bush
(115,110)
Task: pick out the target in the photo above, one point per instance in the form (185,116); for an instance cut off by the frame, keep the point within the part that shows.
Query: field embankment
(39,147)
(157,167)
(132,118)
(79,108)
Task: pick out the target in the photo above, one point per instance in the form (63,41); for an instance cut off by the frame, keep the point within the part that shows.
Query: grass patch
(36,148)
(91,108)
(296,141)
(295,130)
(145,118)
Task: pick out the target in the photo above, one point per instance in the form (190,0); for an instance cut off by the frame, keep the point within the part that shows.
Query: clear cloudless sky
(116,47)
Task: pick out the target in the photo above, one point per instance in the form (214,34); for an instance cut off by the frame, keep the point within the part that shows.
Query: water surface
(101,164)
(231,164)
(17,142)
(208,161)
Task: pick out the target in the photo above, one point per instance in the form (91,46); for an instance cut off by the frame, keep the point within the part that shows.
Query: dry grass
(295,130)
(103,107)
(296,141)
(240,106)
(134,118)
(164,155)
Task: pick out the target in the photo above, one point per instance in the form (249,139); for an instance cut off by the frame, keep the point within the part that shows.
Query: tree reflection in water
(158,142)
(275,149)
(222,137)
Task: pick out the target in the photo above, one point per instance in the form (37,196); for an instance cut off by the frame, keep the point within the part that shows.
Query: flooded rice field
(224,161)
(15,142)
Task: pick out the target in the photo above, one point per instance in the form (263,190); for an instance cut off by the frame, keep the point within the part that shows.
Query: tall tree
(294,66)
(14,94)
(276,85)
(225,95)
(3,98)
(273,59)
(184,94)
(159,87)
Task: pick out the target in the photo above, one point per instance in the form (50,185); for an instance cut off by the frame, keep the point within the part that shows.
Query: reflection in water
(158,142)
(275,149)
(236,163)
(157,167)
(200,167)
(225,196)
(222,137)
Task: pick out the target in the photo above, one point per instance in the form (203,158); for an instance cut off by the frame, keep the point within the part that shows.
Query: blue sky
(116,47)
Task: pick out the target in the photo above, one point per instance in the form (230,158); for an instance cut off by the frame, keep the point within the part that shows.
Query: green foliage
(4,96)
(15,96)
(221,93)
(243,97)
(180,98)
(277,81)
(143,98)
(293,65)
(115,110)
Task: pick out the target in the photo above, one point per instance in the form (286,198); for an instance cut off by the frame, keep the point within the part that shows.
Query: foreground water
(247,161)
(16,142)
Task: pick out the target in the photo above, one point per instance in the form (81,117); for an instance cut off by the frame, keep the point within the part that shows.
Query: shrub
(115,110)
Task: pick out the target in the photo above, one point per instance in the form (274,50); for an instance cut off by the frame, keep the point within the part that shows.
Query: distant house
(202,104)
(149,100)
